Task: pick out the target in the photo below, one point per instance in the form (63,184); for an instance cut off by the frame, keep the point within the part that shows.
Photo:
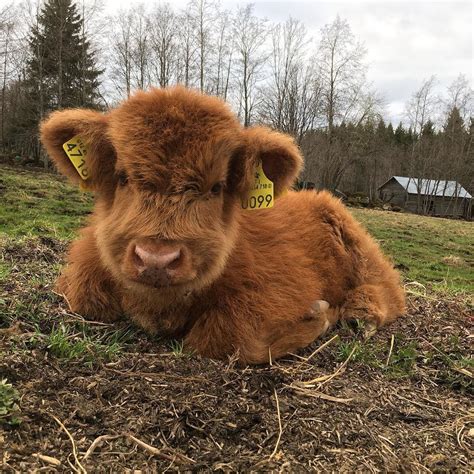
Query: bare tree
(8,25)
(460,95)
(223,55)
(94,28)
(345,96)
(421,106)
(186,55)
(342,72)
(164,26)
(122,51)
(291,99)
(250,34)
(202,14)
(420,109)
(140,46)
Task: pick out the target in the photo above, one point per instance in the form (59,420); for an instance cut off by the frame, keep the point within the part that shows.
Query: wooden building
(427,196)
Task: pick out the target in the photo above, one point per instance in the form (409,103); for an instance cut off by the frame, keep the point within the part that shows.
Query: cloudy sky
(407,40)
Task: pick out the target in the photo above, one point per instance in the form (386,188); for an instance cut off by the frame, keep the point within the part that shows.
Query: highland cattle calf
(194,234)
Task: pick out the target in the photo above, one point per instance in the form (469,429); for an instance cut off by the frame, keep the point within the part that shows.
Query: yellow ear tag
(76,151)
(260,195)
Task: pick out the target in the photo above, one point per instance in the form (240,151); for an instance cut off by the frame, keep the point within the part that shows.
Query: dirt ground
(95,398)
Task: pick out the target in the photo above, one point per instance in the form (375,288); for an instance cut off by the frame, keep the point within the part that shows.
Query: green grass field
(34,203)
(433,252)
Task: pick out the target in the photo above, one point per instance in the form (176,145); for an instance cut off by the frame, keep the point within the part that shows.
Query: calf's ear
(278,154)
(91,127)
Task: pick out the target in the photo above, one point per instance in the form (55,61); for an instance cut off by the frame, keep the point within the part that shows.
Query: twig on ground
(73,443)
(423,295)
(47,459)
(321,347)
(280,429)
(462,431)
(326,378)
(160,375)
(392,341)
(166,453)
(159,452)
(62,295)
(97,442)
(321,395)
(76,316)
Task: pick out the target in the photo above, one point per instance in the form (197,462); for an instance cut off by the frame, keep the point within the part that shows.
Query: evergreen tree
(428,129)
(457,147)
(62,65)
(61,70)
(400,135)
(384,133)
(390,132)
(454,126)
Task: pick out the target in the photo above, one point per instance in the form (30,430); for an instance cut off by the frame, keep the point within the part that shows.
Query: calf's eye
(217,188)
(122,179)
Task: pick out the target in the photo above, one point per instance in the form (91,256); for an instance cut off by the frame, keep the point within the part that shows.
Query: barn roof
(431,187)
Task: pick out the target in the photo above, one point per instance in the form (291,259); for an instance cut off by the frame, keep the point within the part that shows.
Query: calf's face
(169,168)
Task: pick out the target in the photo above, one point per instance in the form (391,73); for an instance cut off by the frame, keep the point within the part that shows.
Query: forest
(62,53)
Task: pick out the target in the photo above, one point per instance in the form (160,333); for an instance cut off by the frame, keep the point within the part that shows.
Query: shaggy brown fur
(170,246)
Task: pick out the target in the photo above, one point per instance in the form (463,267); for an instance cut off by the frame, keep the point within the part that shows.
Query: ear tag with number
(76,150)
(260,195)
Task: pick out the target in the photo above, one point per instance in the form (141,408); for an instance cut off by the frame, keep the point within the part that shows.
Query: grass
(63,343)
(447,361)
(372,354)
(177,348)
(431,251)
(39,203)
(9,409)
(74,342)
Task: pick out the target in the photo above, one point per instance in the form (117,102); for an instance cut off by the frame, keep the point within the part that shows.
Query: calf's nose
(155,260)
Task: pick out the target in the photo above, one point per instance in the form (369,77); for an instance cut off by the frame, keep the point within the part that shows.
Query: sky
(406,41)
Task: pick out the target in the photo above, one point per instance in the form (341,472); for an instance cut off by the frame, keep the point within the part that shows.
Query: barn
(427,196)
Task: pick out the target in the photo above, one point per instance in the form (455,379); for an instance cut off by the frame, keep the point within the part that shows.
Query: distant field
(91,397)
(430,251)
(34,203)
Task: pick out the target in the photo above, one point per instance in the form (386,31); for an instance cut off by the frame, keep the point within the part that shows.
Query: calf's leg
(375,304)
(86,284)
(215,335)
(279,338)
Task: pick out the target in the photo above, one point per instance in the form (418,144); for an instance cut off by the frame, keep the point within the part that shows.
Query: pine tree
(390,133)
(62,65)
(400,134)
(428,129)
(454,126)
(61,71)
(381,132)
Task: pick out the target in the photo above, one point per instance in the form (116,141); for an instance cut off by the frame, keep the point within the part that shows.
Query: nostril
(176,262)
(144,259)
(137,260)
(171,258)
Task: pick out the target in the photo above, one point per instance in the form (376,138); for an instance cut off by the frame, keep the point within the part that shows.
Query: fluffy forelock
(156,131)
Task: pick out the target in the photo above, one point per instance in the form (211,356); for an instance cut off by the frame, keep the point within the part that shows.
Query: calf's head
(169,168)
